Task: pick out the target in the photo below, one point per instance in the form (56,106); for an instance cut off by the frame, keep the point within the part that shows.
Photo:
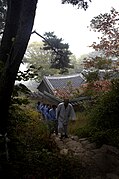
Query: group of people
(57,117)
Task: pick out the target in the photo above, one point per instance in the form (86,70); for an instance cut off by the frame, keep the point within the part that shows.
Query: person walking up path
(52,121)
(64,113)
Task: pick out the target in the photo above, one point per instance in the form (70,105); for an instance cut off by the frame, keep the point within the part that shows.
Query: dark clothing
(52,122)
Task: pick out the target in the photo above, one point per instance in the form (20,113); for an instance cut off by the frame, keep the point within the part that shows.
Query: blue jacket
(52,114)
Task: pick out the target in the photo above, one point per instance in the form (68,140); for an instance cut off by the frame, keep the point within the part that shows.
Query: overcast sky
(70,23)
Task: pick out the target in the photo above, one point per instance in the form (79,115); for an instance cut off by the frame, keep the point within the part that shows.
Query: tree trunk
(14,59)
(11,27)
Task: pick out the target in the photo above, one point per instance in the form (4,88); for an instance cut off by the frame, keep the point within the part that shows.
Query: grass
(81,121)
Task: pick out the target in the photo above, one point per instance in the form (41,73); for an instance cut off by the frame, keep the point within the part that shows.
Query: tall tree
(77,64)
(3,9)
(11,28)
(108,25)
(18,27)
(60,52)
(39,61)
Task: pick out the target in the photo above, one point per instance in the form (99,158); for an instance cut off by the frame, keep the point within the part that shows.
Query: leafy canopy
(59,51)
(38,61)
(108,25)
(80,3)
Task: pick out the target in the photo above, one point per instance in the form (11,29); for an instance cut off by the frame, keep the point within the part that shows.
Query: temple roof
(61,82)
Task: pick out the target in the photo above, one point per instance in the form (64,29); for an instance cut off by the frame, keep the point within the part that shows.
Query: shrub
(32,154)
(103,119)
(105,114)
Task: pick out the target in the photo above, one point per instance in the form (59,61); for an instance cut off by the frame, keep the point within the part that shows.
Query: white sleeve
(73,115)
(57,111)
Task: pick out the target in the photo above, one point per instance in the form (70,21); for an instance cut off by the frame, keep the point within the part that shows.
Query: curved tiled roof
(62,81)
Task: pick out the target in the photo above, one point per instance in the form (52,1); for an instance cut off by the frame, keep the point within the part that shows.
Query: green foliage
(19,100)
(109,136)
(32,153)
(92,76)
(39,62)
(80,122)
(20,94)
(105,113)
(21,88)
(102,63)
(98,68)
(30,73)
(59,51)
(103,122)
(76,63)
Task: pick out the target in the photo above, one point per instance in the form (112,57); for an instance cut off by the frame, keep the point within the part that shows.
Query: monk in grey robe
(64,113)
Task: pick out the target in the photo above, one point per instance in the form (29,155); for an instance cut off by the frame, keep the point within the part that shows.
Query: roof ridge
(62,77)
(48,83)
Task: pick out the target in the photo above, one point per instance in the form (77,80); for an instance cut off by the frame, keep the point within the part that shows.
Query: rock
(75,138)
(111,176)
(64,151)
(73,145)
(110,149)
(59,143)
(98,177)
(82,139)
(84,142)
